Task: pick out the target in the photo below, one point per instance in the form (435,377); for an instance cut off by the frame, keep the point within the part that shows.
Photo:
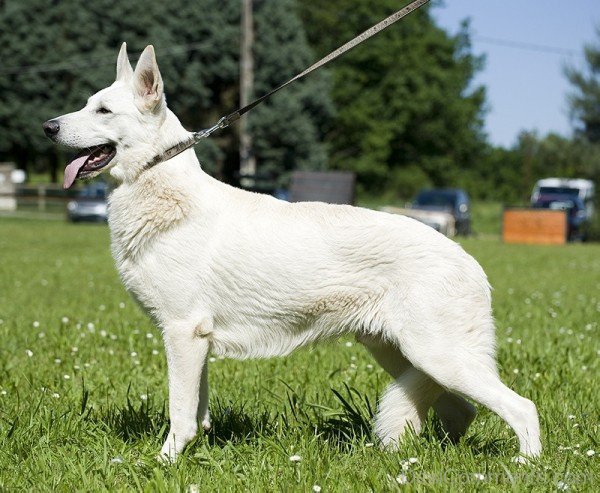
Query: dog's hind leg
(186,357)
(404,404)
(455,413)
(469,369)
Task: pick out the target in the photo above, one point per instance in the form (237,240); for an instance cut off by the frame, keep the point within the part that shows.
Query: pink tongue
(73,168)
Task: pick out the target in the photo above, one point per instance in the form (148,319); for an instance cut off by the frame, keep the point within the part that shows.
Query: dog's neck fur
(169,133)
(151,201)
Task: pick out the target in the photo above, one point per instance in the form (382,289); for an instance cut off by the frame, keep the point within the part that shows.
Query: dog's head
(119,126)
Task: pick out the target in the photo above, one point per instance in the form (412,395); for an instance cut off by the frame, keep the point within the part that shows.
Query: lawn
(83,386)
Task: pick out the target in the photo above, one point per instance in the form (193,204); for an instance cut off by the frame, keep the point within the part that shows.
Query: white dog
(245,275)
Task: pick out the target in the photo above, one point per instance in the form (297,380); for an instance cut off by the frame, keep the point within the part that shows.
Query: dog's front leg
(203,413)
(186,357)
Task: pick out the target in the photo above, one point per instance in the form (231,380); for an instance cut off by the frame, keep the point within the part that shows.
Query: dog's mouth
(88,163)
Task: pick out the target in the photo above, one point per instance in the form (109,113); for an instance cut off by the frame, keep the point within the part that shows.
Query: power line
(555,50)
(89,61)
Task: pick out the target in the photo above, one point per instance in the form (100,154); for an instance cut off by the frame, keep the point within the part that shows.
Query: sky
(526,86)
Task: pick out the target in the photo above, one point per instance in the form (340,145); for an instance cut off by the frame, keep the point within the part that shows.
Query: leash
(233,117)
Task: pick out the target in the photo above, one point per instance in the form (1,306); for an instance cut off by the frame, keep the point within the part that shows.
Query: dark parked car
(90,204)
(452,200)
(576,212)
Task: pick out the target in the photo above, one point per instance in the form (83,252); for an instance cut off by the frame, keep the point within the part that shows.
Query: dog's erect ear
(147,82)
(124,70)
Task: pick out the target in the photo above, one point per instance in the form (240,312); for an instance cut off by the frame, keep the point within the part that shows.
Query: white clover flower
(401,479)
(117,460)
(55,395)
(562,486)
(590,453)
(370,366)
(3,392)
(102,308)
(121,305)
(413,460)
(149,335)
(67,377)
(58,361)
(537,375)
(211,359)
(295,458)
(74,349)
(571,416)
(103,333)
(369,444)
(133,354)
(144,397)
(479,476)
(516,371)
(155,352)
(193,488)
(29,352)
(36,324)
(348,344)
(65,320)
(316,488)
(91,327)
(41,335)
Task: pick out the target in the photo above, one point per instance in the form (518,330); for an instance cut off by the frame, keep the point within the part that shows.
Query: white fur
(246,275)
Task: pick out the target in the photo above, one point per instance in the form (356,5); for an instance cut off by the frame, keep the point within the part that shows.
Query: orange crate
(534,226)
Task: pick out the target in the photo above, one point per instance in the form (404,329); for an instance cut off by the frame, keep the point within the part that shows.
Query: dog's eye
(103,110)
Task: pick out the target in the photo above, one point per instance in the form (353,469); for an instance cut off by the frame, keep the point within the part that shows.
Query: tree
(56,56)
(407,113)
(584,101)
(288,128)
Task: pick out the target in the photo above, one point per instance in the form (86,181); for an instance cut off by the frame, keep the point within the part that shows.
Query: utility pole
(247,161)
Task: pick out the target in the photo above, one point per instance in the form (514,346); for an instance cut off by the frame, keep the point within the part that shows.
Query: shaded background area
(404,111)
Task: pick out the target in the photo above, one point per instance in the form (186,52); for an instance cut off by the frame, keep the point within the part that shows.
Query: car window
(431,198)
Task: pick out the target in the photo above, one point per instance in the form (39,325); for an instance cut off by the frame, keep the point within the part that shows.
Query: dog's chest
(145,224)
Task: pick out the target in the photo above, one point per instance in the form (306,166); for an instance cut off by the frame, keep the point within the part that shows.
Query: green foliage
(55,56)
(101,428)
(585,98)
(287,129)
(404,99)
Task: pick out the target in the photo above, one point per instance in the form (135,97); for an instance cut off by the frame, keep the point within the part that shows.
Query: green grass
(83,385)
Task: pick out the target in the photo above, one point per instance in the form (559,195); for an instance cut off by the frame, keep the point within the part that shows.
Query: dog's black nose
(51,127)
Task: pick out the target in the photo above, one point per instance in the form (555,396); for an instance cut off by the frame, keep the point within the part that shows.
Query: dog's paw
(521,459)
(206,426)
(166,458)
